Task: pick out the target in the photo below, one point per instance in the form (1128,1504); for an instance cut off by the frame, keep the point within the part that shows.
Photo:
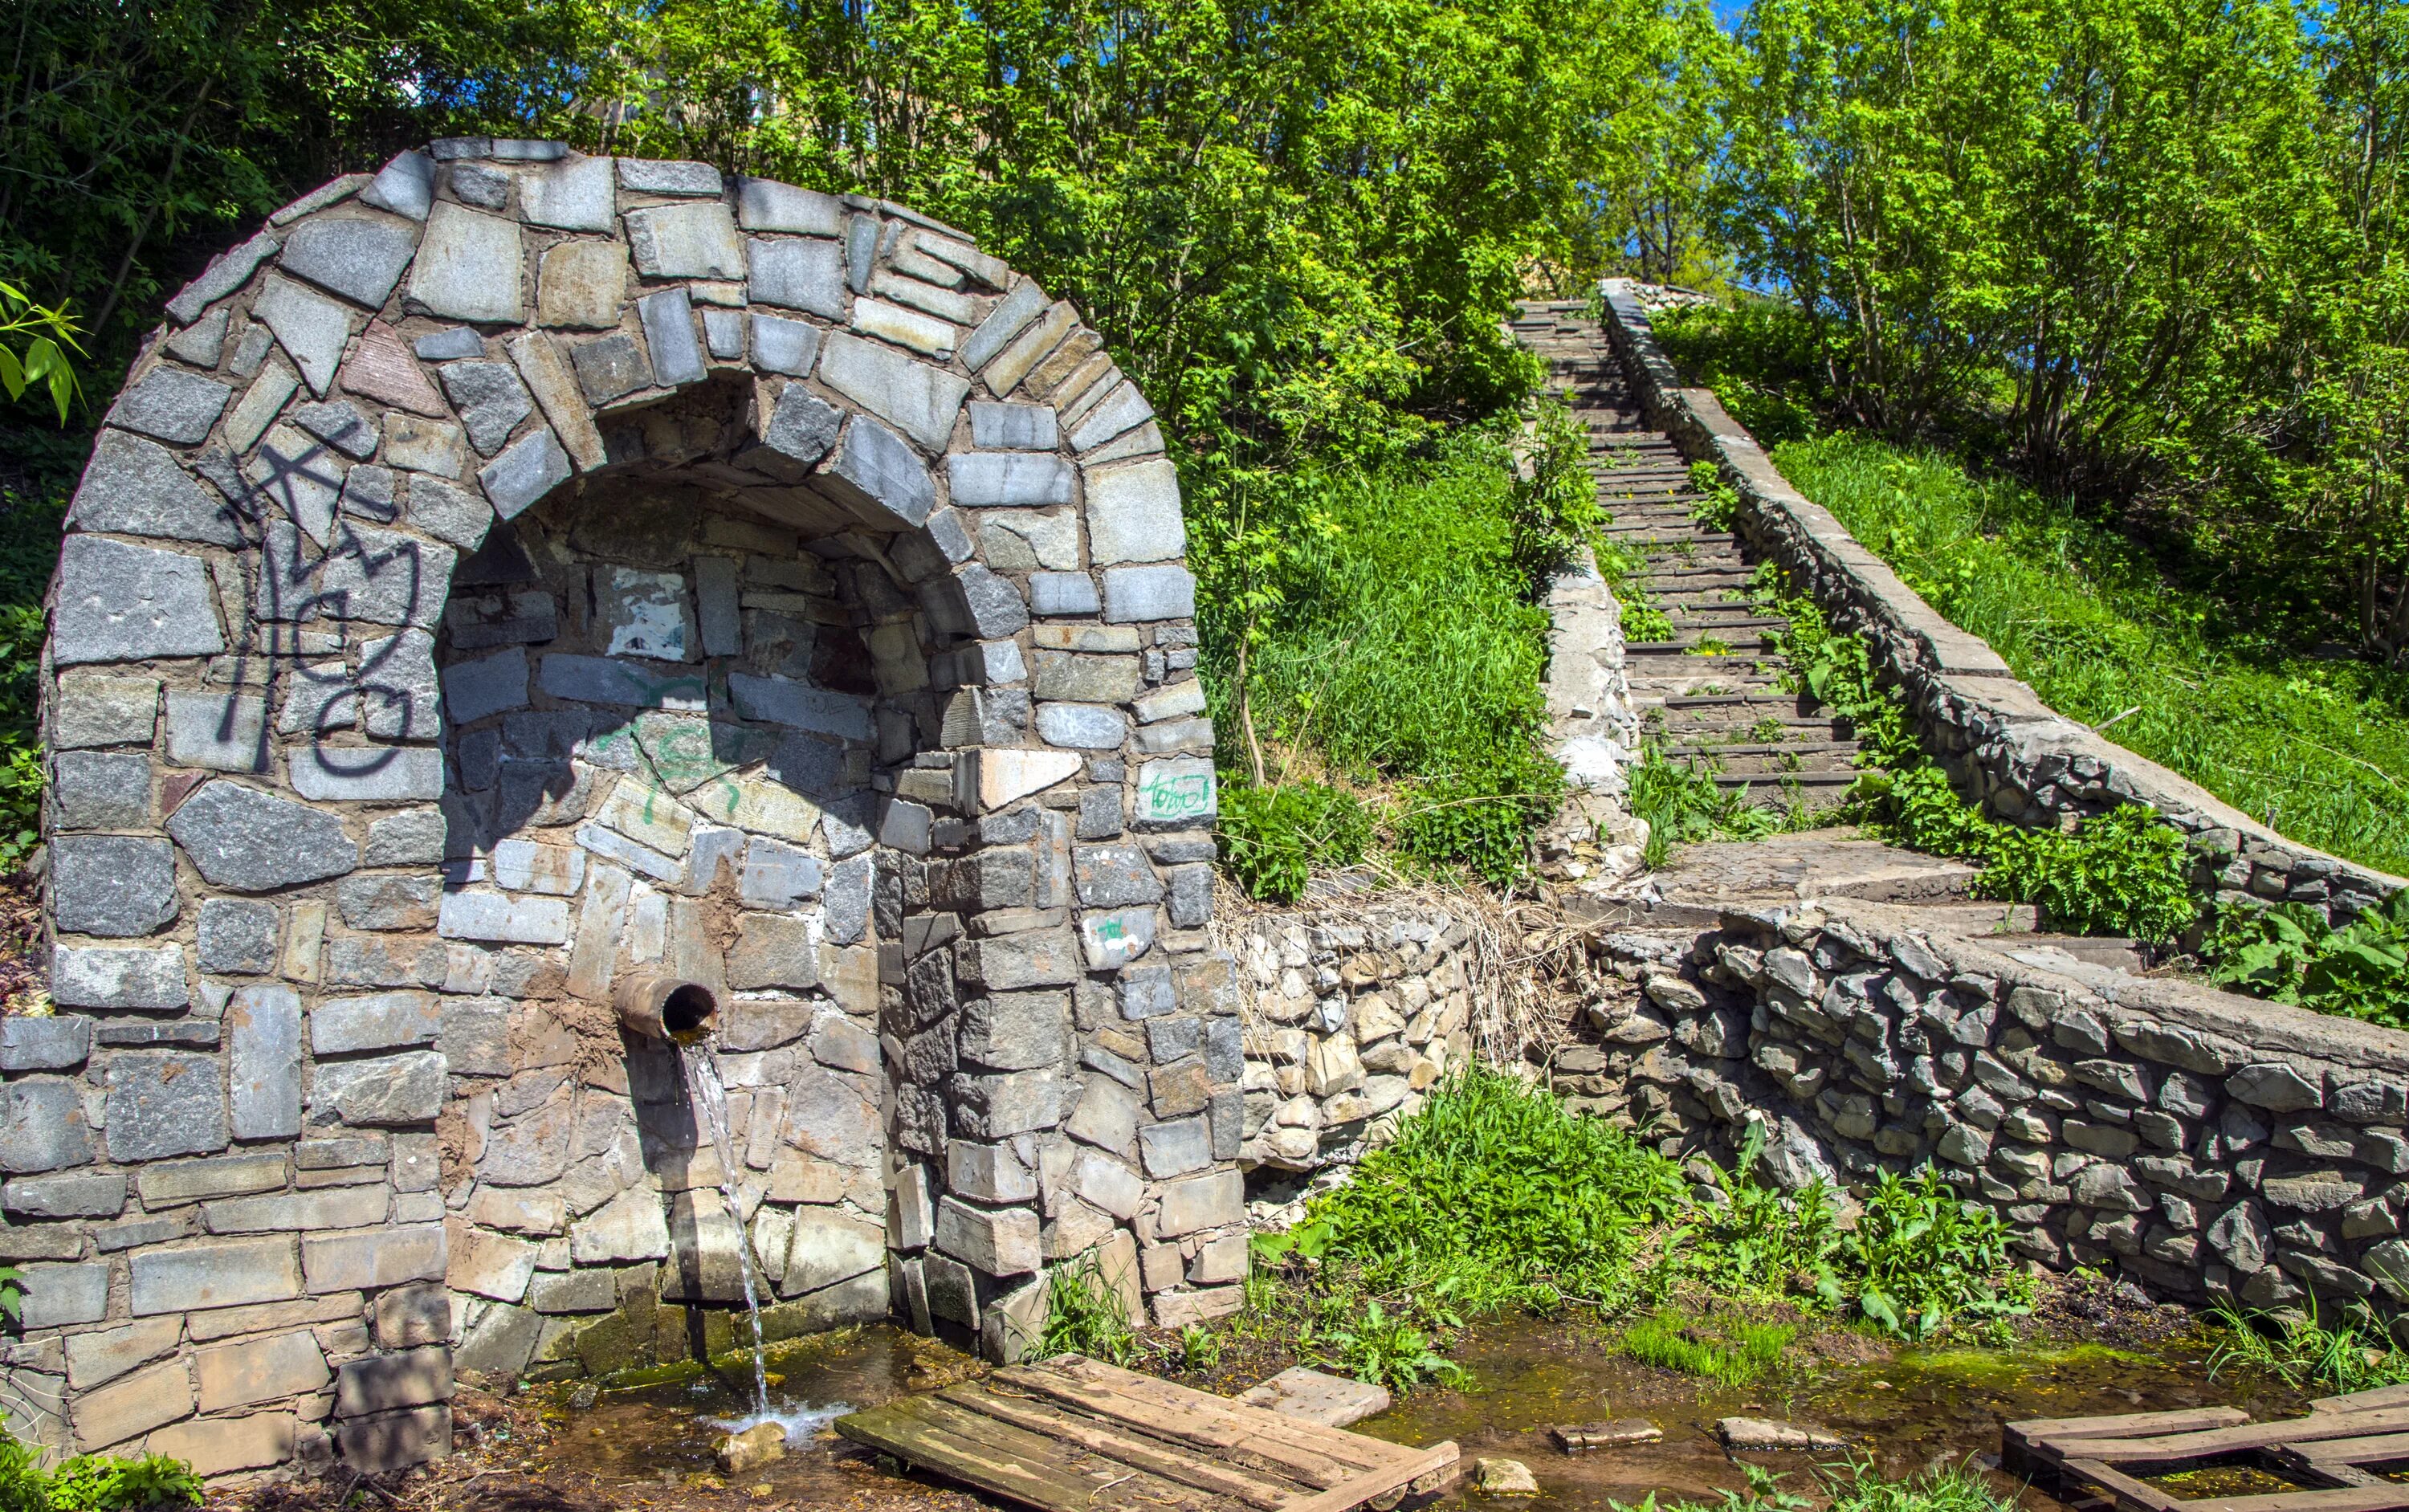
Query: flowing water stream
(711,1096)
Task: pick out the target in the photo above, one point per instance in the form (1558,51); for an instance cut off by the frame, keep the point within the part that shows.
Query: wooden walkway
(2327,1454)
(1073,1435)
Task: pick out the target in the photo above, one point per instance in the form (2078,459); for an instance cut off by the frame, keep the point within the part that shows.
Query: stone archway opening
(518,584)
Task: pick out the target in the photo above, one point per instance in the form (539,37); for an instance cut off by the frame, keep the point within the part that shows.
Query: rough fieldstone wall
(2005,748)
(2213,1145)
(1351,1014)
(513,572)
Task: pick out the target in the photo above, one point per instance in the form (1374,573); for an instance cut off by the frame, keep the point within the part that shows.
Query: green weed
(1271,838)
(1731,1353)
(2354,1355)
(1719,509)
(1857,1486)
(1683,805)
(1921,1257)
(2289,952)
(1389,1349)
(1084,1314)
(92,1482)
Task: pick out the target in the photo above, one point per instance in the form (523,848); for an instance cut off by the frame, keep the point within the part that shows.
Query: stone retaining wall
(2025,762)
(1351,1013)
(514,574)
(2213,1145)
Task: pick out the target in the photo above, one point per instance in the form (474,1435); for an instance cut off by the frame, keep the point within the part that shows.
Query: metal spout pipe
(656,1006)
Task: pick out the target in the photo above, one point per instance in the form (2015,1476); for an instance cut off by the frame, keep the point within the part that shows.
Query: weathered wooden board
(1073,1435)
(2326,1452)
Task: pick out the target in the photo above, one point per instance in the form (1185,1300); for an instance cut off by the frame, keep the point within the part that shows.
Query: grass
(1854,1485)
(2315,748)
(1729,1352)
(2353,1355)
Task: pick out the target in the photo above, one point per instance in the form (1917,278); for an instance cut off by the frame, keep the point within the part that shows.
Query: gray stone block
(398,696)
(608,680)
(171,404)
(59,1040)
(86,976)
(686,242)
(1021,427)
(719,591)
(413,838)
(996,608)
(1176,1148)
(264,1061)
(860,251)
(1023,479)
(237,936)
(117,885)
(221,732)
(647,176)
(767,205)
(384,901)
(1148,992)
(785,346)
(799,275)
(355,256)
(1086,727)
(458,515)
(367,773)
(800,705)
(405,186)
(777,876)
(239,1273)
(490,399)
(312,329)
(57,1296)
(450,344)
(472,690)
(879,477)
(1113,876)
(118,603)
(1015,1031)
(379,576)
(669,330)
(227,271)
(381,1021)
(723,333)
(919,399)
(165,1102)
(1134,594)
(372,494)
(95,1196)
(1024,304)
(249,841)
(1202,1202)
(1063,593)
(469,267)
(1123,410)
(394,1440)
(387,1091)
(203,342)
(1134,514)
(475,1036)
(574,195)
(104,711)
(803,426)
(42,1125)
(845,909)
(338,423)
(101,790)
(533,467)
(1191,896)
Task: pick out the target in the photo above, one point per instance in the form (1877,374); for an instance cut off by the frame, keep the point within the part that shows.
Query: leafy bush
(1683,805)
(1921,1257)
(1271,838)
(1389,1348)
(2122,873)
(1719,509)
(94,1482)
(2289,953)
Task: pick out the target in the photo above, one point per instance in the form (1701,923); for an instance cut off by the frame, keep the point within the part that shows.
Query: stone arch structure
(518,582)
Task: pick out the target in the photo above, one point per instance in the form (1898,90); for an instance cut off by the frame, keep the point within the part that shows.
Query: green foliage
(1479,818)
(1200,1348)
(1271,838)
(1921,1257)
(1719,509)
(2122,873)
(1391,1350)
(94,1482)
(1553,510)
(1683,806)
(2289,952)
(2354,1355)
(1729,1351)
(49,333)
(1084,1314)
(1856,1485)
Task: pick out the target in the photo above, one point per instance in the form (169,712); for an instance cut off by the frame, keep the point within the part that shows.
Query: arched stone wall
(516,571)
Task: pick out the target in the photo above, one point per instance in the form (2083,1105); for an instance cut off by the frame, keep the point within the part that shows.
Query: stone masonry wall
(2005,748)
(1351,1013)
(513,574)
(2211,1145)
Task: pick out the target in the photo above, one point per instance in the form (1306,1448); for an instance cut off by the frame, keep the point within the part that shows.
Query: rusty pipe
(657,1006)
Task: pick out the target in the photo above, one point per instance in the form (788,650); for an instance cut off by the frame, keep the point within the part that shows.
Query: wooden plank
(1335,1442)
(2372,1450)
(2317,1425)
(2131,1493)
(903,1435)
(2383,1396)
(1017,1445)
(1396,1476)
(1152,1456)
(2118,1425)
(2388,1497)
(1315,1470)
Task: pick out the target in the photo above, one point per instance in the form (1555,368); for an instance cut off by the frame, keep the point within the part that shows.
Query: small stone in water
(1503,1477)
(1573,1437)
(584,1396)
(1765,1434)
(756,1446)
(759,1490)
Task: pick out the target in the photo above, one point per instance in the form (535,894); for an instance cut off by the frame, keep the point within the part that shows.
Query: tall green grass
(2315,748)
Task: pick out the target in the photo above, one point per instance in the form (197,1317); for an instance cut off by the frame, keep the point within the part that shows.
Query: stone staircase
(1711,693)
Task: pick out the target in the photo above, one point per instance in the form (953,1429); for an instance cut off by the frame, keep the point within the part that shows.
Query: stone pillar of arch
(514,575)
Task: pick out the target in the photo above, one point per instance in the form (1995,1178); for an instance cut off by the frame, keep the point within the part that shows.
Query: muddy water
(1908,1410)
